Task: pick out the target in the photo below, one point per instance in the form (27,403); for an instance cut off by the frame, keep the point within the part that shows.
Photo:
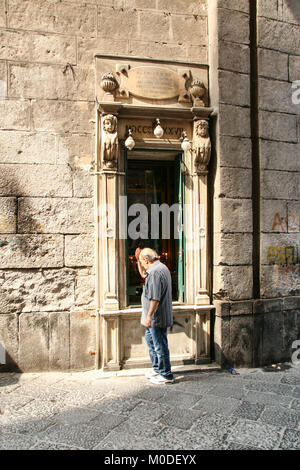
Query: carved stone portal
(201,145)
(110,146)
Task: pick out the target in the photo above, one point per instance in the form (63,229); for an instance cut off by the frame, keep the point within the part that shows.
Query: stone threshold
(175,369)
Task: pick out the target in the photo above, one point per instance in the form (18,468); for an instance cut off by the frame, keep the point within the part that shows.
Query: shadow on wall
(294,7)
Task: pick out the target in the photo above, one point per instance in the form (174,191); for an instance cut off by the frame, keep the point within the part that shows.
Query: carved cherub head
(202,128)
(110,123)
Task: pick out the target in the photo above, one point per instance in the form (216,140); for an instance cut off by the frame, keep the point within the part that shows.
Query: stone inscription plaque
(153,83)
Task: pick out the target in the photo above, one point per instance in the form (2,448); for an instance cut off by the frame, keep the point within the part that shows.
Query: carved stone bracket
(201,146)
(109,142)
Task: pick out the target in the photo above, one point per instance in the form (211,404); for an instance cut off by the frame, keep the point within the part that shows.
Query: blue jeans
(157,342)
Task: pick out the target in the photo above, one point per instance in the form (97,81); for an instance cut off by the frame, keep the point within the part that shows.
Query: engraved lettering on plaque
(152,83)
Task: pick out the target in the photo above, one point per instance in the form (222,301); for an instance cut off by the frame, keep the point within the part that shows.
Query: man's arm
(142,271)
(152,308)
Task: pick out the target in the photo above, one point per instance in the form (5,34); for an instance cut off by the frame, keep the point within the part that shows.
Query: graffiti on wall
(289,223)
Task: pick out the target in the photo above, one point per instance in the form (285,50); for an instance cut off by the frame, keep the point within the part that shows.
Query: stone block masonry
(47,141)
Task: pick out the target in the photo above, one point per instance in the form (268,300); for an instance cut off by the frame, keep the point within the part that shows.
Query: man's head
(148,257)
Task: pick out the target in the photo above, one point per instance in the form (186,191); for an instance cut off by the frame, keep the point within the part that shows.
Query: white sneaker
(160,380)
(151,373)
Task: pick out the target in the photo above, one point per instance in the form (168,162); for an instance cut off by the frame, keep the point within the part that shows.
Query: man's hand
(148,321)
(152,308)
(137,253)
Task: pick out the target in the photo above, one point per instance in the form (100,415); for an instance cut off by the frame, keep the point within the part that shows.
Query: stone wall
(47,127)
(47,140)
(255,180)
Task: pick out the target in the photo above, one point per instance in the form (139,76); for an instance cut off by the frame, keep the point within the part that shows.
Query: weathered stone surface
(280,281)
(234,183)
(76,150)
(240,5)
(289,11)
(294,68)
(278,126)
(235,152)
(85,291)
(189,29)
(34,341)
(234,215)
(293,217)
(279,36)
(267,306)
(87,47)
(241,308)
(232,249)
(35,47)
(7,214)
(234,88)
(2,14)
(141,4)
(272,346)
(233,26)
(197,53)
(63,116)
(274,216)
(48,16)
(222,340)
(55,215)
(291,303)
(3,81)
(234,57)
(9,337)
(234,121)
(82,340)
(111,19)
(241,349)
(234,282)
(181,6)
(15,115)
(36,180)
(160,50)
(51,82)
(59,340)
(273,64)
(279,240)
(277,96)
(79,250)
(279,155)
(27,147)
(83,184)
(31,251)
(268,8)
(286,187)
(154,25)
(37,291)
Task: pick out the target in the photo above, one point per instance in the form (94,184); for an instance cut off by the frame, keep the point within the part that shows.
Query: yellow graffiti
(282,255)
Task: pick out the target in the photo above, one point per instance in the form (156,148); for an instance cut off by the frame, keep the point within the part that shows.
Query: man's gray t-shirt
(158,286)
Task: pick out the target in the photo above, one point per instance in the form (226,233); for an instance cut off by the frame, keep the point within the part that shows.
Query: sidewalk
(257,409)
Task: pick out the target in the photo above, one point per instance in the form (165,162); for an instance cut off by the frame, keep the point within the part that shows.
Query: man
(157,313)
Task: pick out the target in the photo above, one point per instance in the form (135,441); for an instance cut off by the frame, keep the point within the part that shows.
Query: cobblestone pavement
(257,409)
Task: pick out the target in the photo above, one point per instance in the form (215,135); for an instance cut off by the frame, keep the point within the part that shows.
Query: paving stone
(267,398)
(13,402)
(296,392)
(281,417)
(85,436)
(248,410)
(150,412)
(115,404)
(177,439)
(180,418)
(213,404)
(253,434)
(75,416)
(45,445)
(279,389)
(215,426)
(26,423)
(295,405)
(228,391)
(290,440)
(179,399)
(291,379)
(124,441)
(139,427)
(16,441)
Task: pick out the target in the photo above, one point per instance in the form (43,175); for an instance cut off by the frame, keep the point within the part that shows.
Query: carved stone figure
(109,83)
(201,145)
(110,141)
